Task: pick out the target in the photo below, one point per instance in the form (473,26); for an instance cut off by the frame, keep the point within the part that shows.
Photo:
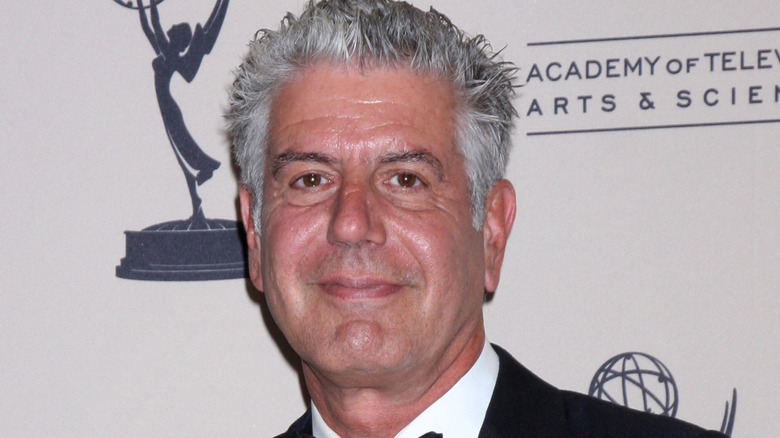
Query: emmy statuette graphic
(196,248)
(640,381)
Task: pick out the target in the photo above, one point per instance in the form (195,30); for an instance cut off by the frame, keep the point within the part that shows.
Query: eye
(406,180)
(309,180)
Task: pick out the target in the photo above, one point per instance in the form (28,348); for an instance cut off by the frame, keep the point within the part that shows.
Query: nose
(356,218)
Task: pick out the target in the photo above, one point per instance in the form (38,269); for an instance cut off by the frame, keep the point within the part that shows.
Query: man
(372,139)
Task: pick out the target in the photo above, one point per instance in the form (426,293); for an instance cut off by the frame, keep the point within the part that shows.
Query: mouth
(358,288)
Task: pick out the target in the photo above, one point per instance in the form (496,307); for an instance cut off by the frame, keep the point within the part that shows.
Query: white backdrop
(661,240)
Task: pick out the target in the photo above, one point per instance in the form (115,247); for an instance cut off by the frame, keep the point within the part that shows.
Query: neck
(382,409)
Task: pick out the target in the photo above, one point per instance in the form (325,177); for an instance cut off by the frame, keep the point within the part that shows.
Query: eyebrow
(282,160)
(413,156)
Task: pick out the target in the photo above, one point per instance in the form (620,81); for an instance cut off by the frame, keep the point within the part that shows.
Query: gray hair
(371,34)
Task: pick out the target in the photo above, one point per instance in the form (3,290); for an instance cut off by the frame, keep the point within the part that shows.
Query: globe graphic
(638,381)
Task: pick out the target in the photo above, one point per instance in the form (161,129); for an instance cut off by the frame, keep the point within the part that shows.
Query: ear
(500,207)
(254,253)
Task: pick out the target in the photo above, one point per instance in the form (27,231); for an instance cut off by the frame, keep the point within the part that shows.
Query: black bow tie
(427,435)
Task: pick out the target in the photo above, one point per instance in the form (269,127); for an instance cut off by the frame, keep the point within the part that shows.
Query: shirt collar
(460,412)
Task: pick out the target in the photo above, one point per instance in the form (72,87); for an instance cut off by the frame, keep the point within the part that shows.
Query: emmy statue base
(173,251)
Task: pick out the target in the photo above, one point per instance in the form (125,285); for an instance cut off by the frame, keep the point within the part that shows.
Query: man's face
(368,258)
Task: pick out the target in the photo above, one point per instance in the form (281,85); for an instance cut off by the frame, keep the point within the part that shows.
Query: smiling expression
(368,257)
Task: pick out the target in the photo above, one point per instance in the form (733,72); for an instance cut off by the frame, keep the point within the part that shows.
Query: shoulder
(591,417)
(523,400)
(301,427)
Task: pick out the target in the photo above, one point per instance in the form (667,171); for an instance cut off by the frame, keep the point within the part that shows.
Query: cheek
(289,229)
(289,236)
(449,251)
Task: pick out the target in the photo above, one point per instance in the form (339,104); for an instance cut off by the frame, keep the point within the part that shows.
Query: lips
(358,288)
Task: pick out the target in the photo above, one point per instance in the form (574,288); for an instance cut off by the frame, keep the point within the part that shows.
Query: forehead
(382,107)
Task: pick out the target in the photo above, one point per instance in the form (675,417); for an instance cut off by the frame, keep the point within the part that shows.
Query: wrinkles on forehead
(364,92)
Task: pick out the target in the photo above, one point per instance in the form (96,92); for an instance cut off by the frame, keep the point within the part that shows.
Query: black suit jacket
(525,406)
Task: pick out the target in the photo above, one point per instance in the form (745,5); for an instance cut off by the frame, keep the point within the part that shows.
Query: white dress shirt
(458,413)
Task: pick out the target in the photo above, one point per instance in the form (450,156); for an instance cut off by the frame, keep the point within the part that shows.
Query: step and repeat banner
(645,254)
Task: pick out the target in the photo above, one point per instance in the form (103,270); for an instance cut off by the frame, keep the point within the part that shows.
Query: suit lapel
(522,405)
(301,427)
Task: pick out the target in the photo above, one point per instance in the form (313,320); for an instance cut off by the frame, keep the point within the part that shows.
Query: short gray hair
(372,34)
